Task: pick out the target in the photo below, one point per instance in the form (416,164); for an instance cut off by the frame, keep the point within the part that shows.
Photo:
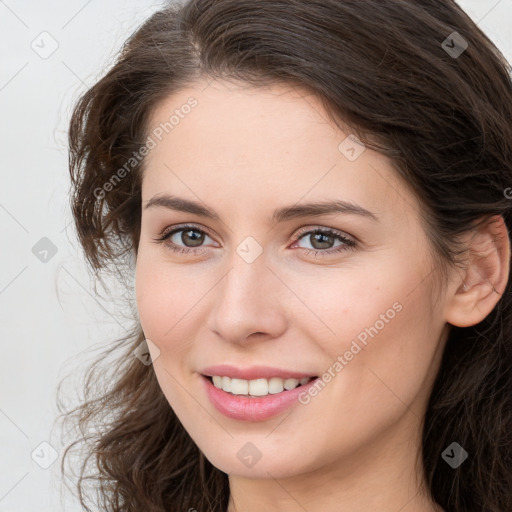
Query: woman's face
(253,290)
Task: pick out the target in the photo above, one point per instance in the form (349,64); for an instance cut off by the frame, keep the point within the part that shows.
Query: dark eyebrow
(182,205)
(312,209)
(280,215)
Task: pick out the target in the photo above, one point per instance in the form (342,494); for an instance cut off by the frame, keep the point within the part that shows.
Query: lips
(254,372)
(260,406)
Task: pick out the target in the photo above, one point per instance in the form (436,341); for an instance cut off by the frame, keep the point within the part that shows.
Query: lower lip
(244,408)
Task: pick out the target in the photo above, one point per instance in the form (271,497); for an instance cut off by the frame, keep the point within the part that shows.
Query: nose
(248,303)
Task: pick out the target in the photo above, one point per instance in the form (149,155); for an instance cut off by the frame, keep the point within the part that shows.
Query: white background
(49,312)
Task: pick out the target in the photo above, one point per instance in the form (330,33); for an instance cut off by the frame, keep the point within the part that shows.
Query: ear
(484,277)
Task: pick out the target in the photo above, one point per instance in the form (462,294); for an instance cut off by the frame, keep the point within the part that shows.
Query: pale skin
(244,152)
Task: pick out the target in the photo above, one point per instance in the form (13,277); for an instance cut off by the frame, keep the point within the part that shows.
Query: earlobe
(485,276)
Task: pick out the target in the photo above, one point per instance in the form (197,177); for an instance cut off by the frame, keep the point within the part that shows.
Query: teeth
(226,383)
(238,386)
(291,383)
(275,385)
(256,387)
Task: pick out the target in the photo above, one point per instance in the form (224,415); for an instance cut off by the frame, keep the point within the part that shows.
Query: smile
(257,387)
(254,399)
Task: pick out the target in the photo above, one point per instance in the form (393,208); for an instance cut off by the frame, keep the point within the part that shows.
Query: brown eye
(322,241)
(184,239)
(191,237)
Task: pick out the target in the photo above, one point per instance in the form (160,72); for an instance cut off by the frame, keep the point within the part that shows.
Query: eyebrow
(280,215)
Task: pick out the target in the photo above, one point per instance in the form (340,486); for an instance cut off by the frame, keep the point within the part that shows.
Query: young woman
(314,200)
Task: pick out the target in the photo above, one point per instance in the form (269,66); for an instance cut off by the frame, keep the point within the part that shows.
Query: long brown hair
(438,103)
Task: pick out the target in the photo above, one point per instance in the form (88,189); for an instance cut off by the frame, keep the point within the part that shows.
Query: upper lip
(252,372)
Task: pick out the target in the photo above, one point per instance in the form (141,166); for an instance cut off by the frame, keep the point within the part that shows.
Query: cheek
(151,303)
(161,304)
(338,305)
(162,300)
(387,338)
(169,301)
(377,316)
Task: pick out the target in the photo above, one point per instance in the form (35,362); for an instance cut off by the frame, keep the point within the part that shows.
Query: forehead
(261,147)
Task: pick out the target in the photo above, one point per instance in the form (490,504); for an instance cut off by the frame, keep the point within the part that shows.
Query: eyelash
(348,243)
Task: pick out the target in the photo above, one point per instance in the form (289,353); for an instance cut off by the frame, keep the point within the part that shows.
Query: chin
(259,460)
